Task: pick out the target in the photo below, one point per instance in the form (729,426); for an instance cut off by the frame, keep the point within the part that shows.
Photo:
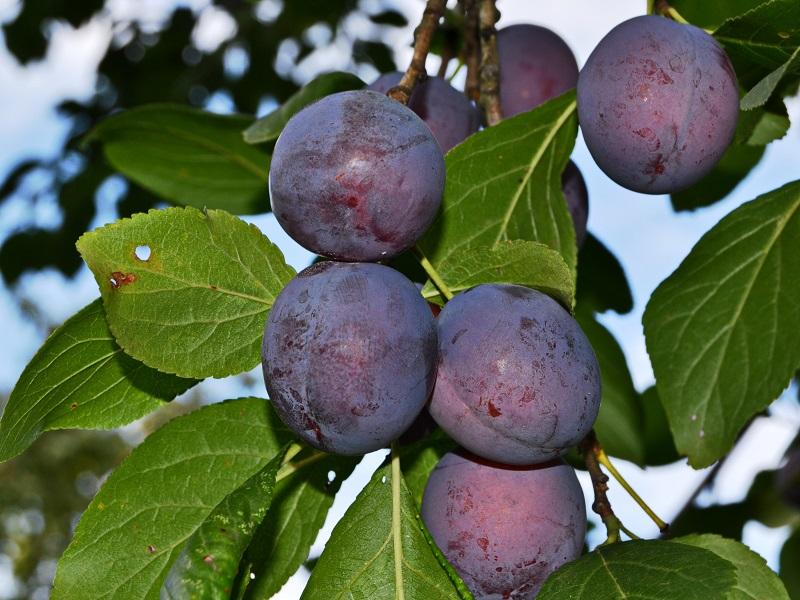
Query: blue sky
(648,238)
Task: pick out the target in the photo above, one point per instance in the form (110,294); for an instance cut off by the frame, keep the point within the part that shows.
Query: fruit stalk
(490,63)
(422,43)
(432,273)
(601,505)
(662,7)
(472,49)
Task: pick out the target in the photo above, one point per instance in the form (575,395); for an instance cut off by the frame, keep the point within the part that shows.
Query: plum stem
(663,8)
(432,273)
(289,468)
(490,63)
(651,6)
(472,49)
(422,43)
(603,459)
(601,505)
(397,537)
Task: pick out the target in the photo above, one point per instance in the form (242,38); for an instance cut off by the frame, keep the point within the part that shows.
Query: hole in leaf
(142,253)
(331,476)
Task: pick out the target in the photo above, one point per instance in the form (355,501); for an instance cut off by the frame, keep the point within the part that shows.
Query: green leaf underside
(81,378)
(188,156)
(761,40)
(531,264)
(602,284)
(268,128)
(504,183)
(652,570)
(157,498)
(720,330)
(197,306)
(619,422)
(711,13)
(755,580)
(762,91)
(207,566)
(282,542)
(360,560)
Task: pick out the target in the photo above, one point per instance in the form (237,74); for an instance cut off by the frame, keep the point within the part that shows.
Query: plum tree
(577,197)
(450,115)
(504,529)
(657,103)
(518,382)
(356,176)
(535,66)
(349,355)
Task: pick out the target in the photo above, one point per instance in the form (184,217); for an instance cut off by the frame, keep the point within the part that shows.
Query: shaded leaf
(655,570)
(762,91)
(140,519)
(81,378)
(659,447)
(207,565)
(602,284)
(518,262)
(188,156)
(504,183)
(197,305)
(269,127)
(720,329)
(420,458)
(790,558)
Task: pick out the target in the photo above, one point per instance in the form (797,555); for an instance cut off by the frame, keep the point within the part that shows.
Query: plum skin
(504,529)
(574,188)
(517,381)
(356,176)
(349,356)
(448,113)
(657,103)
(535,66)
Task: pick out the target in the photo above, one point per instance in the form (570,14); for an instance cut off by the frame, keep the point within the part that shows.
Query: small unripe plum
(574,188)
(504,529)
(452,118)
(517,382)
(356,176)
(657,103)
(349,356)
(535,66)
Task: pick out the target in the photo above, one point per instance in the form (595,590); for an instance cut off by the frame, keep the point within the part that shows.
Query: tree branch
(472,49)
(490,63)
(422,43)
(601,505)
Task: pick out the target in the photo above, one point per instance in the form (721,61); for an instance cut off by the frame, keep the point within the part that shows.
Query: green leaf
(298,511)
(735,164)
(197,305)
(504,183)
(420,458)
(659,447)
(762,40)
(80,378)
(769,127)
(711,13)
(652,570)
(188,156)
(268,128)
(519,262)
(790,558)
(161,494)
(762,91)
(378,550)
(720,330)
(756,581)
(207,565)
(619,422)
(602,284)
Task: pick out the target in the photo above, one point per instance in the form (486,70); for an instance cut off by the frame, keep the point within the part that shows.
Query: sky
(644,233)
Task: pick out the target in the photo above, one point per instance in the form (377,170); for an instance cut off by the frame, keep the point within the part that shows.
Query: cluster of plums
(352,354)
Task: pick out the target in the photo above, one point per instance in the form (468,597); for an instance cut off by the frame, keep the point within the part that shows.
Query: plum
(574,188)
(517,381)
(535,66)
(451,116)
(356,176)
(504,529)
(349,355)
(657,103)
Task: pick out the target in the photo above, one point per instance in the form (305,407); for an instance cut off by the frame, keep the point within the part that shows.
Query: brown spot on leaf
(118,279)
(151,549)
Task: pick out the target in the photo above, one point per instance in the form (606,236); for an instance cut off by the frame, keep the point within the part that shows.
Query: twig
(472,50)
(490,63)
(422,43)
(601,505)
